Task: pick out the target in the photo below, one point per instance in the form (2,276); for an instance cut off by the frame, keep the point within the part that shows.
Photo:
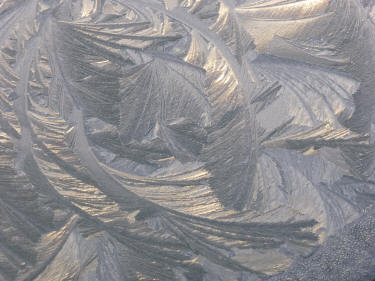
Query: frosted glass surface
(187,140)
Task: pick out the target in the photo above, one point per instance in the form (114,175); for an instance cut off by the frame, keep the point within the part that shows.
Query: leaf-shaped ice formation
(147,140)
(155,97)
(318,97)
(325,33)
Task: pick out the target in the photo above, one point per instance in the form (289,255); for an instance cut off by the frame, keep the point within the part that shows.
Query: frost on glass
(192,140)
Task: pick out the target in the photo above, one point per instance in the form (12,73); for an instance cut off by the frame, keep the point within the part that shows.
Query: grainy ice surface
(187,140)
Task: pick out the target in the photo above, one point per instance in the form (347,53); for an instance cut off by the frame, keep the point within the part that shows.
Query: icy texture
(191,140)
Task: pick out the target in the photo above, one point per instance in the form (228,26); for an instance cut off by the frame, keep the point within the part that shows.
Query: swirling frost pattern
(187,140)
